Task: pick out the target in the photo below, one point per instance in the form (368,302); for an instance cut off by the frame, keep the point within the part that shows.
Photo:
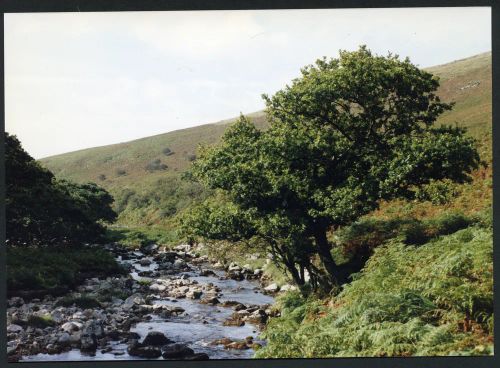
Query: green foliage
(140,236)
(40,321)
(340,140)
(437,192)
(82,301)
(43,210)
(436,299)
(56,267)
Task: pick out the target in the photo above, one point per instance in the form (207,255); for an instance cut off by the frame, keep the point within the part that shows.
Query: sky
(79,80)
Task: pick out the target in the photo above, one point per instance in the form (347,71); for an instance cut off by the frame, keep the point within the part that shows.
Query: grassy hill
(144,174)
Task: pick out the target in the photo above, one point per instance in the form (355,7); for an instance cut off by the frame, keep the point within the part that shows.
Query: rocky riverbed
(171,305)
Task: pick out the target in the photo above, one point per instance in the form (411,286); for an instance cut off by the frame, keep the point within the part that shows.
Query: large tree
(349,132)
(43,210)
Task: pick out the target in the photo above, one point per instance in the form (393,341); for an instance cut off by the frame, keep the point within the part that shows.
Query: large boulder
(156,338)
(135,348)
(176,351)
(13,328)
(72,326)
(273,288)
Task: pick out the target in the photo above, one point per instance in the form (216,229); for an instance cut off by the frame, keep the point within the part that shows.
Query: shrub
(435,299)
(167,151)
(83,301)
(120,172)
(156,165)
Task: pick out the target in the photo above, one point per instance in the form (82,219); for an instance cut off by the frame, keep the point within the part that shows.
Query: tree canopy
(348,133)
(43,210)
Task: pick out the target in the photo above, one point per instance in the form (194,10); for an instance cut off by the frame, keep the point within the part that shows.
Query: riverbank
(189,310)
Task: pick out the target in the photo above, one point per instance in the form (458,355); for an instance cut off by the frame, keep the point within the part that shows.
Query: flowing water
(197,327)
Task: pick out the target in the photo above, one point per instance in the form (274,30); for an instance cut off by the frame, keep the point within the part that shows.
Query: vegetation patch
(51,268)
(435,299)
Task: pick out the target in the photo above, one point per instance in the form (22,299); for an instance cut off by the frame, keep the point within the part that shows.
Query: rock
(13,328)
(15,302)
(157,287)
(210,300)
(194,294)
(258,317)
(218,265)
(176,351)
(88,343)
(132,300)
(235,320)
(72,326)
(197,356)
(238,345)
(94,327)
(179,263)
(207,273)
(148,249)
(134,348)
(57,315)
(144,262)
(64,339)
(234,268)
(273,288)
(156,338)
(287,287)
(258,272)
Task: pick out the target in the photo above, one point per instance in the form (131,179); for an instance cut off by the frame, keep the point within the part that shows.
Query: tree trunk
(326,257)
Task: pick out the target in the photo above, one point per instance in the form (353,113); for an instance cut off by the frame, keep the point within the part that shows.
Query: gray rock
(155,338)
(88,343)
(13,328)
(273,288)
(94,327)
(72,326)
(176,351)
(64,339)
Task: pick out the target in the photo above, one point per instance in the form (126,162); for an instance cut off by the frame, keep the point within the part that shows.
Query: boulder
(134,348)
(155,338)
(64,339)
(145,262)
(72,326)
(176,351)
(194,294)
(88,342)
(273,288)
(197,356)
(13,328)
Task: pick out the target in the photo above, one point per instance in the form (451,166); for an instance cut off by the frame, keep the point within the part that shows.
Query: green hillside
(144,174)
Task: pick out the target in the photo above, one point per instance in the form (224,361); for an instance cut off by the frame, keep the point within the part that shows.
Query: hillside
(144,174)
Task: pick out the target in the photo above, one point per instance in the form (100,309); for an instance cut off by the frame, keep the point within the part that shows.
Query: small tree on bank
(348,133)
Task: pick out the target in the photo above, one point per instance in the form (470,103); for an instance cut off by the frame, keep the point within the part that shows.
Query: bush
(49,269)
(120,172)
(435,299)
(167,151)
(83,301)
(438,192)
(156,165)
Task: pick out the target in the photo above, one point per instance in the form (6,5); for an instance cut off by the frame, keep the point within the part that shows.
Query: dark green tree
(346,134)
(43,210)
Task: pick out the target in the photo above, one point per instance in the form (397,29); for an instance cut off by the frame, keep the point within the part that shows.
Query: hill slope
(144,174)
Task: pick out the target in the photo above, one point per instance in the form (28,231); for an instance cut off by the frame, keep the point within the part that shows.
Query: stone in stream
(135,348)
(194,294)
(72,326)
(144,262)
(273,288)
(197,356)
(156,338)
(176,351)
(210,301)
(88,343)
(94,327)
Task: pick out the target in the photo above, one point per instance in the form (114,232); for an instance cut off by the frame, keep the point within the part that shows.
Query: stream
(200,323)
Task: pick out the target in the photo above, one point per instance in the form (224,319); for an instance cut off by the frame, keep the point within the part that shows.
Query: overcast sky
(78,80)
